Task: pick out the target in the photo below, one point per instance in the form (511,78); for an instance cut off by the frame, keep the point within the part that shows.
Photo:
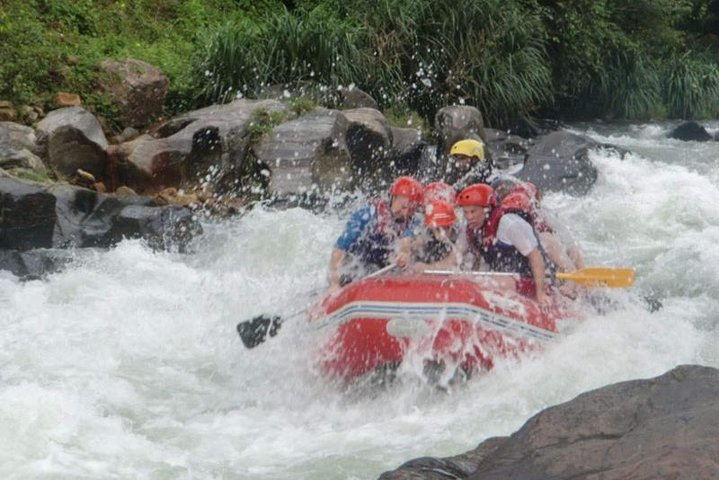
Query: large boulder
(86,218)
(690,131)
(560,162)
(164,227)
(664,427)
(33,216)
(458,122)
(353,97)
(369,140)
(307,154)
(137,89)
(19,137)
(27,215)
(34,264)
(73,139)
(13,158)
(183,149)
(506,149)
(408,152)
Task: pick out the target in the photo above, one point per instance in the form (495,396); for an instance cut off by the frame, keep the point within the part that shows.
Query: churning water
(127,364)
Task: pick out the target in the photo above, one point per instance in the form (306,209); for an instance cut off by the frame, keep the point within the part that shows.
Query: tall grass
(487,53)
(629,86)
(610,58)
(691,86)
(244,57)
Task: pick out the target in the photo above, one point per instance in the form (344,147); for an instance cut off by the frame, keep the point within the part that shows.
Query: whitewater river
(127,365)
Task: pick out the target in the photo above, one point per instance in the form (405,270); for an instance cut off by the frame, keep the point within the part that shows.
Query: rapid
(127,364)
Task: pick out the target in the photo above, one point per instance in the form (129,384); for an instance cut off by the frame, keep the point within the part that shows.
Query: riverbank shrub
(419,53)
(691,86)
(614,59)
(48,46)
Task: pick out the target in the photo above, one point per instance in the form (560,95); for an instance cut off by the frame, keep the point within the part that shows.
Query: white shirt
(514,230)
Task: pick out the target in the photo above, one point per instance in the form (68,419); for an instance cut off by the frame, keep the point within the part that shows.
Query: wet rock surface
(664,427)
(72,139)
(690,131)
(35,216)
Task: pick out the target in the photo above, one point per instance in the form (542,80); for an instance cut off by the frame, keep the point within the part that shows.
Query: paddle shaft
(254,331)
(588,276)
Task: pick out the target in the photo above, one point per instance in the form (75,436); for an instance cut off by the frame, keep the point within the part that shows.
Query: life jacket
(502,257)
(434,249)
(376,244)
(525,198)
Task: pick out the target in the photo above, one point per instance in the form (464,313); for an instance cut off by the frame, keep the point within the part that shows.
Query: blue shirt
(363,223)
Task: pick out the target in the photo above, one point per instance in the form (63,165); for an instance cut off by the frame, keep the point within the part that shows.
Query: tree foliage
(631,59)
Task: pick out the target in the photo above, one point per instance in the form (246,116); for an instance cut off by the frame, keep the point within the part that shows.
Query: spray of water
(127,364)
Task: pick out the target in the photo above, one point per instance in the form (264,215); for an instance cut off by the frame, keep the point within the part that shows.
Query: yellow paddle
(600,277)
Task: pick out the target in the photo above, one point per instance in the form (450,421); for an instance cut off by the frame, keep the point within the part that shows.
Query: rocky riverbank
(66,183)
(664,427)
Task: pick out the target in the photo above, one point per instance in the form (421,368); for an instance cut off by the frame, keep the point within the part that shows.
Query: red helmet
(407,187)
(532,191)
(518,200)
(479,194)
(439,191)
(439,213)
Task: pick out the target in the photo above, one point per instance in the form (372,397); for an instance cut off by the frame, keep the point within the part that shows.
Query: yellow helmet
(468,147)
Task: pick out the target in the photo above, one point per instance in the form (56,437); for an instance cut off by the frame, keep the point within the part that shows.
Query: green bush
(691,86)
(243,57)
(581,58)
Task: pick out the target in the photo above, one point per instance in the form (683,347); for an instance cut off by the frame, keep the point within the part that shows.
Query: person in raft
(504,240)
(557,241)
(468,164)
(369,240)
(434,247)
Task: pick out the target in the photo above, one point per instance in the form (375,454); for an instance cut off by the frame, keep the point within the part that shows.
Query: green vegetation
(34,175)
(262,123)
(52,45)
(615,59)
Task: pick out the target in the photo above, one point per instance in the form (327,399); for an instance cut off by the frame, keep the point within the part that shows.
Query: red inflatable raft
(461,320)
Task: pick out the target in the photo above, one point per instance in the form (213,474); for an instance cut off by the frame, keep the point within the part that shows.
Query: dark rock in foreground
(690,131)
(34,264)
(65,216)
(665,427)
(27,215)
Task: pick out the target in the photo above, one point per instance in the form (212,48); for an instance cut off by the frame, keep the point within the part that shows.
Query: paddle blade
(600,276)
(254,332)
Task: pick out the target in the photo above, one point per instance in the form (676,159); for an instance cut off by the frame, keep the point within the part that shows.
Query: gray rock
(137,88)
(19,137)
(456,123)
(369,140)
(72,139)
(34,264)
(90,219)
(85,217)
(407,152)
(162,227)
(690,131)
(560,162)
(505,149)
(63,216)
(23,158)
(27,215)
(307,153)
(353,97)
(665,427)
(184,148)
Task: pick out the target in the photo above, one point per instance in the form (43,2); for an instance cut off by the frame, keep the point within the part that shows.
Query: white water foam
(127,364)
